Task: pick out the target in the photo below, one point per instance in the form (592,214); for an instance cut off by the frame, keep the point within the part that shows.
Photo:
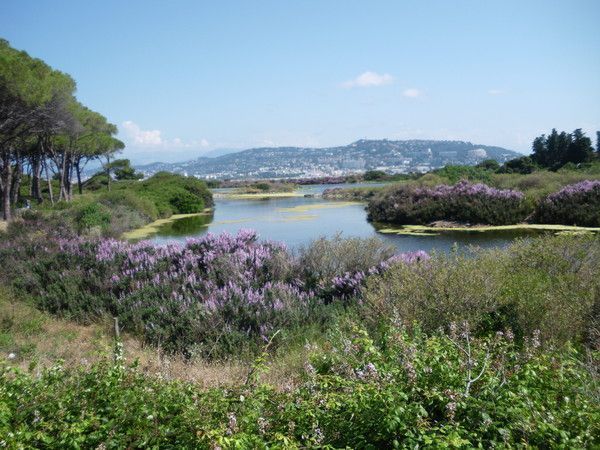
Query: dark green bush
(186,203)
(172,193)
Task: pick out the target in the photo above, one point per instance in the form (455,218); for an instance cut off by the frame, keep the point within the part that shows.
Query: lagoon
(298,220)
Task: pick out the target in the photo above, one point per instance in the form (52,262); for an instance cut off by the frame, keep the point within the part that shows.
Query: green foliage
(123,171)
(374,175)
(456,173)
(489,164)
(548,284)
(557,149)
(174,194)
(523,165)
(403,390)
(99,181)
(187,203)
(128,199)
(265,186)
(92,215)
(325,258)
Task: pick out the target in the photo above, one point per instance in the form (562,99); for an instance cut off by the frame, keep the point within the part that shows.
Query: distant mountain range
(298,162)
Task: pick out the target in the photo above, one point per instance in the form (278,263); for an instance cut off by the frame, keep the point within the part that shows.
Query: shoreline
(424,230)
(258,196)
(153,227)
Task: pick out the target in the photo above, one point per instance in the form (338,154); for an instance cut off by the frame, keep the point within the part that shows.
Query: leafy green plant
(92,215)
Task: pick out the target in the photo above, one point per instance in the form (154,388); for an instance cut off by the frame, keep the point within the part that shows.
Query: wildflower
(232,424)
(535,340)
(262,425)
(309,369)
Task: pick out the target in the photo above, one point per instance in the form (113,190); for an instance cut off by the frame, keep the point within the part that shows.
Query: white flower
(12,356)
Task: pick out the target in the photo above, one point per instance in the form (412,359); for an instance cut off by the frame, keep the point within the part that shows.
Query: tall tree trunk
(7,182)
(61,178)
(108,170)
(78,172)
(67,175)
(36,173)
(15,186)
(50,194)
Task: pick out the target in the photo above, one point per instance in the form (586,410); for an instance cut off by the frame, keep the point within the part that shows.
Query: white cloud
(142,138)
(369,79)
(411,93)
(153,139)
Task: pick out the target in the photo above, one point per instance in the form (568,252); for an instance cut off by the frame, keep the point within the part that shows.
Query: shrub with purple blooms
(216,295)
(463,202)
(575,204)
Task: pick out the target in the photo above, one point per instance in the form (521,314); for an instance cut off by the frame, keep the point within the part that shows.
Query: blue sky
(181,78)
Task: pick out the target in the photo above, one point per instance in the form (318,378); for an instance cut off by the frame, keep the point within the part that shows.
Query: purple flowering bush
(575,204)
(215,295)
(463,202)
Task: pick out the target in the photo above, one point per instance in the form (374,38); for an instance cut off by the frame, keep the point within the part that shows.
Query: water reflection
(186,226)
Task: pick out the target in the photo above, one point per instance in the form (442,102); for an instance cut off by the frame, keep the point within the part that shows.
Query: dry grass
(3,225)
(38,340)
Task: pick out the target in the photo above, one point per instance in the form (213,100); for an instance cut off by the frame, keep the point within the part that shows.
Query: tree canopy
(44,129)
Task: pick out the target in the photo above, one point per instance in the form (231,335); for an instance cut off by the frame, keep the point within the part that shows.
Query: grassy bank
(129,205)
(151,228)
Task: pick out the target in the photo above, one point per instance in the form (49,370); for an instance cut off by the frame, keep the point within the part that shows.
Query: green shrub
(130,200)
(325,258)
(91,215)
(456,173)
(172,194)
(404,390)
(549,284)
(186,203)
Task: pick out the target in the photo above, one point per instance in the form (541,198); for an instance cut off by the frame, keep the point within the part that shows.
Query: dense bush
(454,174)
(463,202)
(92,215)
(174,194)
(575,204)
(216,295)
(549,284)
(404,390)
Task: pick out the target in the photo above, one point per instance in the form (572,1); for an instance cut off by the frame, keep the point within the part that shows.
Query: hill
(298,162)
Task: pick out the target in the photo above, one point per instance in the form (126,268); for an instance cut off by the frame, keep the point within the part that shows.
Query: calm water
(298,220)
